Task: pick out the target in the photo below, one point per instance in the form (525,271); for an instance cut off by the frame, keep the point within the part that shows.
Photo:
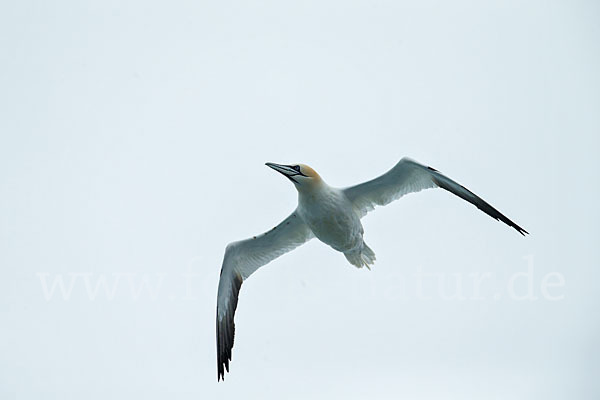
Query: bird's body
(331,215)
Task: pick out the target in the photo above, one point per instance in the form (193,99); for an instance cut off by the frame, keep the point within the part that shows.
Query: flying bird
(333,216)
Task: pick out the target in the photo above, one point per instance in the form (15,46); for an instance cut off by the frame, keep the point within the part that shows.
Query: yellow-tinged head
(301,175)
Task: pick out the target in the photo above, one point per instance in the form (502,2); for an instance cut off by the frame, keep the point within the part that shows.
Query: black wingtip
(521,231)
(508,222)
(503,218)
(226,330)
(448,184)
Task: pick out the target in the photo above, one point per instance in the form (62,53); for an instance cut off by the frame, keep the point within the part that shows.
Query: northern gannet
(333,216)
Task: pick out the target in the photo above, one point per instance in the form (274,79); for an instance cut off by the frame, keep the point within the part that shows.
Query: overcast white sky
(132,149)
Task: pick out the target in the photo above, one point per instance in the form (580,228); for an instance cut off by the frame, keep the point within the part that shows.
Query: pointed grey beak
(286,170)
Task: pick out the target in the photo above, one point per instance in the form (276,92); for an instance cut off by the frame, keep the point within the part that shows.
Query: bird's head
(302,176)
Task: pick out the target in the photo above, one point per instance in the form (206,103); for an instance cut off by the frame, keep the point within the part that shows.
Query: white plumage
(333,216)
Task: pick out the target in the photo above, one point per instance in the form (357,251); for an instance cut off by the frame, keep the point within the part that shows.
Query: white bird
(333,216)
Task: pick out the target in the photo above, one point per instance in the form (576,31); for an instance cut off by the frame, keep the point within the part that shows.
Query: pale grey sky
(132,149)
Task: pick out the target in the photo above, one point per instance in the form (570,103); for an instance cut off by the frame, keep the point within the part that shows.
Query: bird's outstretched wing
(241,260)
(409,176)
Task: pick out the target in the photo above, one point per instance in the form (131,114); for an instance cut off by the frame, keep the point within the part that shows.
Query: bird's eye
(296,167)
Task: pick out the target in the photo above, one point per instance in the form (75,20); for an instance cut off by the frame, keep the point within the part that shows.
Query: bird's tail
(364,257)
